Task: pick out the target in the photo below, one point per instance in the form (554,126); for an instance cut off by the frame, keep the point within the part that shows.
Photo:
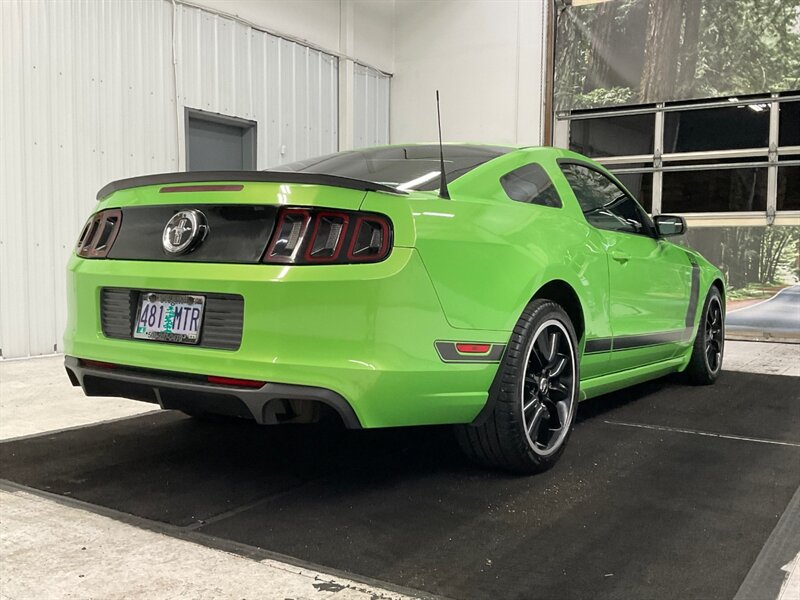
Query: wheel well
(721,287)
(562,294)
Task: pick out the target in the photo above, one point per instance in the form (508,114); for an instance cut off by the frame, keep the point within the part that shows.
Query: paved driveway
(778,316)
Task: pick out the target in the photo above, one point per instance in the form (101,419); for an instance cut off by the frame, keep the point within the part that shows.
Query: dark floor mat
(627,512)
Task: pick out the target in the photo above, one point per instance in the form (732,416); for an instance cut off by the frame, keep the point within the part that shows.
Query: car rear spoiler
(260,176)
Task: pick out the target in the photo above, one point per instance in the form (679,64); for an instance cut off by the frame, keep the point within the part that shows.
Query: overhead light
(760,107)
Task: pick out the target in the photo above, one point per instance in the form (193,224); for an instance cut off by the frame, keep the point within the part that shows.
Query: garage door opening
(216,142)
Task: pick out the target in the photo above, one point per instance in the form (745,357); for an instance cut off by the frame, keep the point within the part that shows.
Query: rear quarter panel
(487,255)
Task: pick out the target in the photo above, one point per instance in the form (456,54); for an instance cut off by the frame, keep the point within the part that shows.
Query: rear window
(403,167)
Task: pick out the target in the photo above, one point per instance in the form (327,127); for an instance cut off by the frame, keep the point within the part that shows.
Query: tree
(688,52)
(659,50)
(662,43)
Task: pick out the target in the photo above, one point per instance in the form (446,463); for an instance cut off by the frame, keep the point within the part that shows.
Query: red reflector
(202,188)
(235,382)
(473,348)
(97,364)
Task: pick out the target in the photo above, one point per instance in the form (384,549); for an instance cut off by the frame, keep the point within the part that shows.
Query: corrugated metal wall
(289,89)
(370,107)
(88,96)
(89,93)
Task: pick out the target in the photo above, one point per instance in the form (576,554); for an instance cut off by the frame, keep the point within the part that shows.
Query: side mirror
(669,225)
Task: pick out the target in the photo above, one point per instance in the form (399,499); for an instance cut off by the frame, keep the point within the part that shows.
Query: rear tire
(534,405)
(709,343)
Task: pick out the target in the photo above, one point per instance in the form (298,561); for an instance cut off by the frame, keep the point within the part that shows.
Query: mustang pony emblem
(184,231)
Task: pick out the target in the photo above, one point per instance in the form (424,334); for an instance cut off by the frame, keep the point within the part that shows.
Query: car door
(650,279)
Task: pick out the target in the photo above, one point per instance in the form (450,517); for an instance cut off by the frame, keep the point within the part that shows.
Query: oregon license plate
(169,317)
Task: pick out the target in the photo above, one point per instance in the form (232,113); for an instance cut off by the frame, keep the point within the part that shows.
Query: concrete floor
(53,549)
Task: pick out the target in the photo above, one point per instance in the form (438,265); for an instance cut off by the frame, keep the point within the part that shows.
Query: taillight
(288,236)
(327,237)
(312,236)
(99,233)
(370,239)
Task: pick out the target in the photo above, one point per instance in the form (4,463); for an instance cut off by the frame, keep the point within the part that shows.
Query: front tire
(709,343)
(533,409)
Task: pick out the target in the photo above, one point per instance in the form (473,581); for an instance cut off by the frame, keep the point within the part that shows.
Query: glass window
(605,205)
(641,186)
(719,190)
(613,136)
(789,130)
(726,128)
(788,188)
(413,167)
(531,184)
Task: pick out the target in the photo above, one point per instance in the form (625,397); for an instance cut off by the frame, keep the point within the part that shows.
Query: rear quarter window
(531,184)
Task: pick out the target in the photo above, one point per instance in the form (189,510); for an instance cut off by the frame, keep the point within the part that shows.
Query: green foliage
(750,257)
(748,46)
(603,97)
(738,47)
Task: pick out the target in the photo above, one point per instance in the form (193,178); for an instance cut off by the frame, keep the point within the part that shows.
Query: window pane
(726,128)
(714,191)
(530,184)
(789,134)
(641,186)
(789,188)
(613,136)
(604,204)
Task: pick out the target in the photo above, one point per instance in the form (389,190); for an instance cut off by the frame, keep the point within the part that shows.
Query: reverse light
(99,233)
(313,236)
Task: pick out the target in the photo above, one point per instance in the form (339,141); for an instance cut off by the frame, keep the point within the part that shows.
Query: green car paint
(460,270)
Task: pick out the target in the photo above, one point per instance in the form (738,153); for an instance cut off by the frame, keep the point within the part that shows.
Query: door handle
(620,257)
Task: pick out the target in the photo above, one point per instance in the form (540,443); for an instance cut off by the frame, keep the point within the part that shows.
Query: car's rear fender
(487,261)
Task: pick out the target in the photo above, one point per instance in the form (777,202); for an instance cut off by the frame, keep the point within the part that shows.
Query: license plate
(169,317)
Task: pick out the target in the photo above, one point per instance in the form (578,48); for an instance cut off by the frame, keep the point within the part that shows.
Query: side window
(605,205)
(531,184)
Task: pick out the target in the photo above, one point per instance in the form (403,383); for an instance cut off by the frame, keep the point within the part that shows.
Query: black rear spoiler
(260,176)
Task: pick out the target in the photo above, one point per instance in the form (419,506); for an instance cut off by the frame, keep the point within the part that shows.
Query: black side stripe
(629,342)
(694,293)
(650,339)
(449,354)
(597,345)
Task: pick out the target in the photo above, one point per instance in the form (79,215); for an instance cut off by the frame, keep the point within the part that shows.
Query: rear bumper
(365,333)
(173,390)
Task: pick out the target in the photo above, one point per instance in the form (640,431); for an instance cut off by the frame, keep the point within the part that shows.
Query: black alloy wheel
(532,404)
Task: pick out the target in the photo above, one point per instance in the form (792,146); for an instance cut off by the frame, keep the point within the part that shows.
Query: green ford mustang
(359,284)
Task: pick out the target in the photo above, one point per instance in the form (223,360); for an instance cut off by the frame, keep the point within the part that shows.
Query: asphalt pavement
(776,317)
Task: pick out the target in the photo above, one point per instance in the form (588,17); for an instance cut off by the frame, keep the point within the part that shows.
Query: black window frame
(650,229)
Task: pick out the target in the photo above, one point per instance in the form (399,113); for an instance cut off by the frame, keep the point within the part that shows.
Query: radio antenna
(443,191)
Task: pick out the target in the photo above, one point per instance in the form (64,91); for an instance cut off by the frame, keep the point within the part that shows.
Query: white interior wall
(371,103)
(487,59)
(288,89)
(356,31)
(319,22)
